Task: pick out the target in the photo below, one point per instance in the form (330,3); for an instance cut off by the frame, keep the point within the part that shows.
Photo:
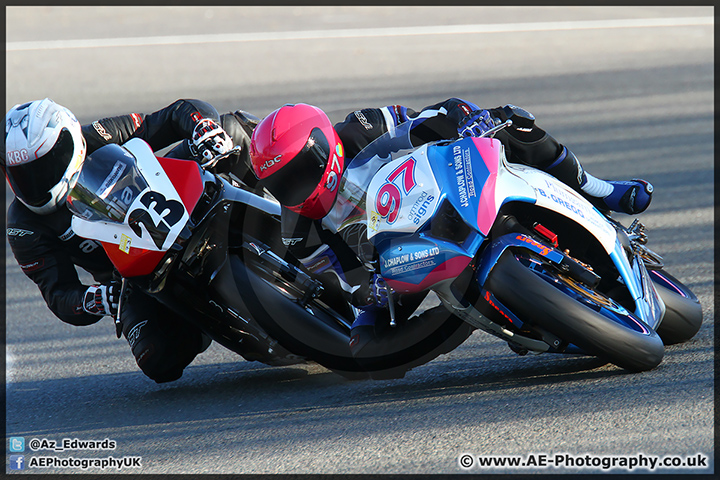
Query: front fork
(490,256)
(118,320)
(638,239)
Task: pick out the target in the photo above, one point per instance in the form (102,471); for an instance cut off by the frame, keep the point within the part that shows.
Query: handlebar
(211,163)
(497,128)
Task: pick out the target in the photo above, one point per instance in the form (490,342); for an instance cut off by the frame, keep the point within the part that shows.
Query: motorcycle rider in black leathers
(44,145)
(299,156)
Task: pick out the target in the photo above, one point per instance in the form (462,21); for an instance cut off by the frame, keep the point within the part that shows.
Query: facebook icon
(17,462)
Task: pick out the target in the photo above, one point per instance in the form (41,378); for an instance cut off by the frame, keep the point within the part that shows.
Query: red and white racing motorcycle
(204,248)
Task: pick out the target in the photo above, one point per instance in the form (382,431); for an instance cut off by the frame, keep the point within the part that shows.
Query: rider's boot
(629,197)
(531,145)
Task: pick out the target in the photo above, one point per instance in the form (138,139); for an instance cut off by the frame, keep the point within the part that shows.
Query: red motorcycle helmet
(297,155)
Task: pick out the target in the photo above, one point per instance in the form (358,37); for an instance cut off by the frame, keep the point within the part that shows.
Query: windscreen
(106,185)
(350,207)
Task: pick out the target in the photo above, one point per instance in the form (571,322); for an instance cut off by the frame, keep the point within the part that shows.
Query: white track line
(360,33)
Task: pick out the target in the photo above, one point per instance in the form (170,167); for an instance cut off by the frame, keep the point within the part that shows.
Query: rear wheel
(311,329)
(542,296)
(683,312)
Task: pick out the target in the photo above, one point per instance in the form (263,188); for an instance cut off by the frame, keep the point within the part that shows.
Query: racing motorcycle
(506,248)
(205,247)
(511,250)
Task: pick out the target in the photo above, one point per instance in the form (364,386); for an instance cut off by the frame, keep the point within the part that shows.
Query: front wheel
(683,313)
(542,296)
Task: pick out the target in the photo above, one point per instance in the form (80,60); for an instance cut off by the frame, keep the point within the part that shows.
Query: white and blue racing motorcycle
(512,251)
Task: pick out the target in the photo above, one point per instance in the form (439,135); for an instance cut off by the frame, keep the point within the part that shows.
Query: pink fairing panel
(491,151)
(448,269)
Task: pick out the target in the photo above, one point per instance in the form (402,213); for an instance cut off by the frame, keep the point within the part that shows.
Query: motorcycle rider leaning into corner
(44,145)
(299,156)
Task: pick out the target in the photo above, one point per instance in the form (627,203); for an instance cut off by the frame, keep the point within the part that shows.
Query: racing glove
(102,299)
(475,124)
(209,141)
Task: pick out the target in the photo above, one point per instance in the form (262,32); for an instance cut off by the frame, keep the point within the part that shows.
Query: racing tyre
(315,331)
(541,295)
(683,312)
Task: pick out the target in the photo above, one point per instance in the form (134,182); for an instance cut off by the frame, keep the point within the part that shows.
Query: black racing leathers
(48,251)
(384,351)
(304,237)
(525,143)
(45,246)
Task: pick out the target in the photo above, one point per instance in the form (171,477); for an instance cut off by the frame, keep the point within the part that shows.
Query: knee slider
(160,361)
(162,356)
(527,143)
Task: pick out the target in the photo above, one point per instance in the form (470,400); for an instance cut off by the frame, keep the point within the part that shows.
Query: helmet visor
(296,181)
(32,181)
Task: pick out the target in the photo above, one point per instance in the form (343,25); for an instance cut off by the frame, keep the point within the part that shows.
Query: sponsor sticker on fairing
(110,181)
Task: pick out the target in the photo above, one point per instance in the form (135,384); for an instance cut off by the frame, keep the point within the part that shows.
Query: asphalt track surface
(629,90)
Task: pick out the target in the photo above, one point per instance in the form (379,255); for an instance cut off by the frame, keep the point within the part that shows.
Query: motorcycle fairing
(152,221)
(470,168)
(404,197)
(473,176)
(552,194)
(420,263)
(469,165)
